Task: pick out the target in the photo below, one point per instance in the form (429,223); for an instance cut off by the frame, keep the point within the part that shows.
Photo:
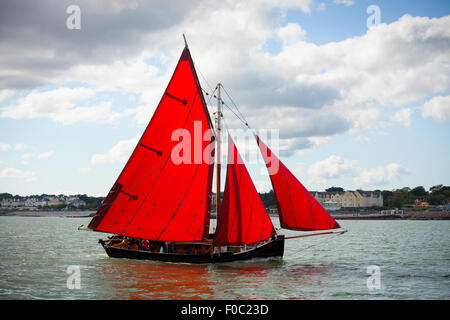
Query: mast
(218,138)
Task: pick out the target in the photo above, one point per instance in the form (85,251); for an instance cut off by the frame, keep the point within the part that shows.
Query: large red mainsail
(243,218)
(155,197)
(297,208)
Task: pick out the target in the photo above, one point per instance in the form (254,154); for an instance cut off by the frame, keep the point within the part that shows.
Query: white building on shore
(349,199)
(40,201)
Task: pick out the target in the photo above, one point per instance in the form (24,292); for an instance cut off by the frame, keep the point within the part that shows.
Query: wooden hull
(274,249)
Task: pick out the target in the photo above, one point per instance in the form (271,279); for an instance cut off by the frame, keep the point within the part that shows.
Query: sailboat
(159,208)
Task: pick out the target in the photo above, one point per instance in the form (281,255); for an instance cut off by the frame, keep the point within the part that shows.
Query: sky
(357,91)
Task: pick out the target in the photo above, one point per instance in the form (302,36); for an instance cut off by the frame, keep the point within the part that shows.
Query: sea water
(49,258)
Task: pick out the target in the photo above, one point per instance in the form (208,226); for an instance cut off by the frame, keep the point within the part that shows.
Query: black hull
(274,249)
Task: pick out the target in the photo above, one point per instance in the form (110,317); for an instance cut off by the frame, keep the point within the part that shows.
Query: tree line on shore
(437,195)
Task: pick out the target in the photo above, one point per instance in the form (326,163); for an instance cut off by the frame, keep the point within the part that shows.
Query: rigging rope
(211,95)
(240,113)
(201,74)
(242,120)
(334,234)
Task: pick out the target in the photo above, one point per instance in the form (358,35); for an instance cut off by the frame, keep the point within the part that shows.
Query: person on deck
(145,245)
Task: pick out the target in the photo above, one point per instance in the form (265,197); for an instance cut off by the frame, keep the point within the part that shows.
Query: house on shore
(348,199)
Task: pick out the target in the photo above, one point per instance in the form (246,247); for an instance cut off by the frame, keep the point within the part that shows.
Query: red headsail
(156,197)
(243,218)
(297,208)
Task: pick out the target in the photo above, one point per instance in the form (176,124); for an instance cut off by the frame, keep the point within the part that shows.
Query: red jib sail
(243,218)
(297,208)
(156,197)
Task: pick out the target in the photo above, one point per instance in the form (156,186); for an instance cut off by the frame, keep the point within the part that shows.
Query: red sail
(243,218)
(297,208)
(155,196)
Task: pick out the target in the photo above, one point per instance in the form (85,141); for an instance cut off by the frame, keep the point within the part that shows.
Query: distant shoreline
(43,213)
(407,215)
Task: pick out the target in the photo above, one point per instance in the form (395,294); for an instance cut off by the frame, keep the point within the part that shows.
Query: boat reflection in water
(256,279)
(132,280)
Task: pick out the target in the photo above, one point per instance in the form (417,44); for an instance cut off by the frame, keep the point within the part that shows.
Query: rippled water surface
(413,258)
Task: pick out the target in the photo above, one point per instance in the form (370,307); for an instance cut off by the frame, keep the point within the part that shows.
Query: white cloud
(379,176)
(344,2)
(355,79)
(403,116)
(45,155)
(28,176)
(84,170)
(19,147)
(132,76)
(118,153)
(61,105)
(4,146)
(336,167)
(394,171)
(28,155)
(295,124)
(319,141)
(40,156)
(333,167)
(291,33)
(363,119)
(378,69)
(303,5)
(307,90)
(37,104)
(437,108)
(371,177)
(5,94)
